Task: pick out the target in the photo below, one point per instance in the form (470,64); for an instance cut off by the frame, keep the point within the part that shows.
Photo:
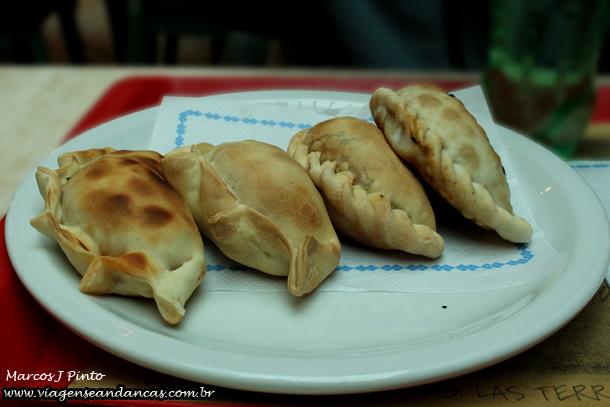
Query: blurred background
(387,34)
(369,34)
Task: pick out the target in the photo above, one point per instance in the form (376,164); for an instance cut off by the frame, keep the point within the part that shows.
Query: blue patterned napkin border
(183,117)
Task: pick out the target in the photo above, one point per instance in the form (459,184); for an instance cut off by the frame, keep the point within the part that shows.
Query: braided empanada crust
(434,133)
(371,196)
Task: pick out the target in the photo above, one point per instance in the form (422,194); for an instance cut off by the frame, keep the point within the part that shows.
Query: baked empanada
(434,132)
(123,227)
(370,194)
(260,207)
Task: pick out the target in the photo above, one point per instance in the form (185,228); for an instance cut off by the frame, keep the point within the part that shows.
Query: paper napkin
(473,260)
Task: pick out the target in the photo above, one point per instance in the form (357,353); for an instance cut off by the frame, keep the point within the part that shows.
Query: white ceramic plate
(327,343)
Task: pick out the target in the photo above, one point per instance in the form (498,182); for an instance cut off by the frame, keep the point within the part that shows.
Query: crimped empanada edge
(506,224)
(428,243)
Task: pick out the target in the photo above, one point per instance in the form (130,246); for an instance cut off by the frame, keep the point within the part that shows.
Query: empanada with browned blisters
(434,132)
(260,207)
(370,194)
(123,227)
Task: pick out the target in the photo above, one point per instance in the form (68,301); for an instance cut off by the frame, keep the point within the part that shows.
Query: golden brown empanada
(260,207)
(370,194)
(123,227)
(434,132)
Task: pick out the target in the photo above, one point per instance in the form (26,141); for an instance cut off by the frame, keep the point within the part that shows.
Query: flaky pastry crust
(122,226)
(259,207)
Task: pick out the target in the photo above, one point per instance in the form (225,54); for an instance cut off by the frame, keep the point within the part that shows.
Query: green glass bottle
(540,73)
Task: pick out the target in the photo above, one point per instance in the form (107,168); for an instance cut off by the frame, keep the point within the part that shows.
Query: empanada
(123,227)
(260,207)
(434,132)
(370,194)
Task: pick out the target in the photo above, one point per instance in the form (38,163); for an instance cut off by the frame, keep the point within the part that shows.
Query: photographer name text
(53,377)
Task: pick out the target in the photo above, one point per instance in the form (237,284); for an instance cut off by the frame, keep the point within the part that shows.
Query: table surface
(41,105)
